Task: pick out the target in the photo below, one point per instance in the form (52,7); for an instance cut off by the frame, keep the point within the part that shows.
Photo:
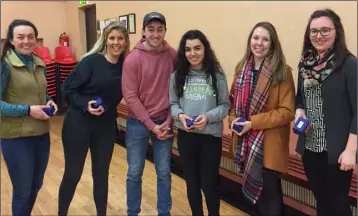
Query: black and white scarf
(315,68)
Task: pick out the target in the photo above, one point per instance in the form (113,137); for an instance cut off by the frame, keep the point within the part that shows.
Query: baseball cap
(154,16)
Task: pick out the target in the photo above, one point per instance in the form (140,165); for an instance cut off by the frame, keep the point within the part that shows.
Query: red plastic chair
(44,54)
(63,55)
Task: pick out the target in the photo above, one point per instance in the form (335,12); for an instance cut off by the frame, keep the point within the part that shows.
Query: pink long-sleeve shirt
(145,83)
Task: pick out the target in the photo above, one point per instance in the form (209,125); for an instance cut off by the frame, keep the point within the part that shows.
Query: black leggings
(78,135)
(270,202)
(329,184)
(201,155)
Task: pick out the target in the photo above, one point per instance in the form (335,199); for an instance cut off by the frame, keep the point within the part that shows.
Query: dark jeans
(270,202)
(328,183)
(26,160)
(78,135)
(201,155)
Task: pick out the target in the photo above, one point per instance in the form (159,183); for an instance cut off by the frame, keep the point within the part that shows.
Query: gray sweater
(199,98)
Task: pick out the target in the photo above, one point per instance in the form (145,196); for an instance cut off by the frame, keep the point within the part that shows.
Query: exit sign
(84,3)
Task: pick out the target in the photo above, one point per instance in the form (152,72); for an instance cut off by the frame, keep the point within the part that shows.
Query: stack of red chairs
(65,61)
(65,64)
(44,54)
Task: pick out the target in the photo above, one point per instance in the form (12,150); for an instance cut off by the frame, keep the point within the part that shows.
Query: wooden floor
(82,203)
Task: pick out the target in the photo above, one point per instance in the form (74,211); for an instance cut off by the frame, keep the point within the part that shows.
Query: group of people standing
(164,87)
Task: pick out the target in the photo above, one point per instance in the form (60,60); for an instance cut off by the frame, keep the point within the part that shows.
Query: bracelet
(28,110)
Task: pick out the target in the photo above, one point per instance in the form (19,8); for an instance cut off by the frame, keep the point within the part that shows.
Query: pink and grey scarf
(248,102)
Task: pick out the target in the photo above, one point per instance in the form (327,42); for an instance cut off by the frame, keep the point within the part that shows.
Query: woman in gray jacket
(199,103)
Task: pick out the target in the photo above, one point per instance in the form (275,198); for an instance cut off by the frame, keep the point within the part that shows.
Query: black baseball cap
(154,16)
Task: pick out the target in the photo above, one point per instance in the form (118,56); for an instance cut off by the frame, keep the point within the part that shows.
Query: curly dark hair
(211,65)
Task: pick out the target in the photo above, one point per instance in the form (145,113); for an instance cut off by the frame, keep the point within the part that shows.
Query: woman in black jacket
(327,97)
(87,126)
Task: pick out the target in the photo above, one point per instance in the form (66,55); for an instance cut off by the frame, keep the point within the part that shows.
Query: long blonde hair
(275,55)
(100,45)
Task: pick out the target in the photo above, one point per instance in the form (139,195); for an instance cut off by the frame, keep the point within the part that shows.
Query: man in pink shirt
(145,86)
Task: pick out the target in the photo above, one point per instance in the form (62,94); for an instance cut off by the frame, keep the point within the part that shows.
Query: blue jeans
(26,160)
(137,139)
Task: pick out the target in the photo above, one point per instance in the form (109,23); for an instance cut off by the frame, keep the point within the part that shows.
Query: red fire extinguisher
(64,39)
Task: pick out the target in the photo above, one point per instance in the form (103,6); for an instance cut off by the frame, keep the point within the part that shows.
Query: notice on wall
(131,22)
(101,24)
(109,20)
(124,20)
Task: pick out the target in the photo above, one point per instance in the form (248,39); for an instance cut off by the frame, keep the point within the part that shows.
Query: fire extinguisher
(64,39)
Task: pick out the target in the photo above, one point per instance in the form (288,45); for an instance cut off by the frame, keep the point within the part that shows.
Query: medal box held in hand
(300,126)
(189,122)
(238,128)
(49,110)
(99,102)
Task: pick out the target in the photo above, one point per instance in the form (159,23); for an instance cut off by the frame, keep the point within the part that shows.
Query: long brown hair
(339,47)
(275,55)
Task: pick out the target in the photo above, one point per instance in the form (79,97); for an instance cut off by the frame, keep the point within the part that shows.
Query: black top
(339,95)
(95,77)
(256,73)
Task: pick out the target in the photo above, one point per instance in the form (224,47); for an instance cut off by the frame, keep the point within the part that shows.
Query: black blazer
(339,94)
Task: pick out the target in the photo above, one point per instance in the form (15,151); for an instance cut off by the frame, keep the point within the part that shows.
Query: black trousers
(80,133)
(330,185)
(201,155)
(270,202)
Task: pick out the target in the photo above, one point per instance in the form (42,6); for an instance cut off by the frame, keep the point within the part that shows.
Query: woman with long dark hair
(25,139)
(327,98)
(199,101)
